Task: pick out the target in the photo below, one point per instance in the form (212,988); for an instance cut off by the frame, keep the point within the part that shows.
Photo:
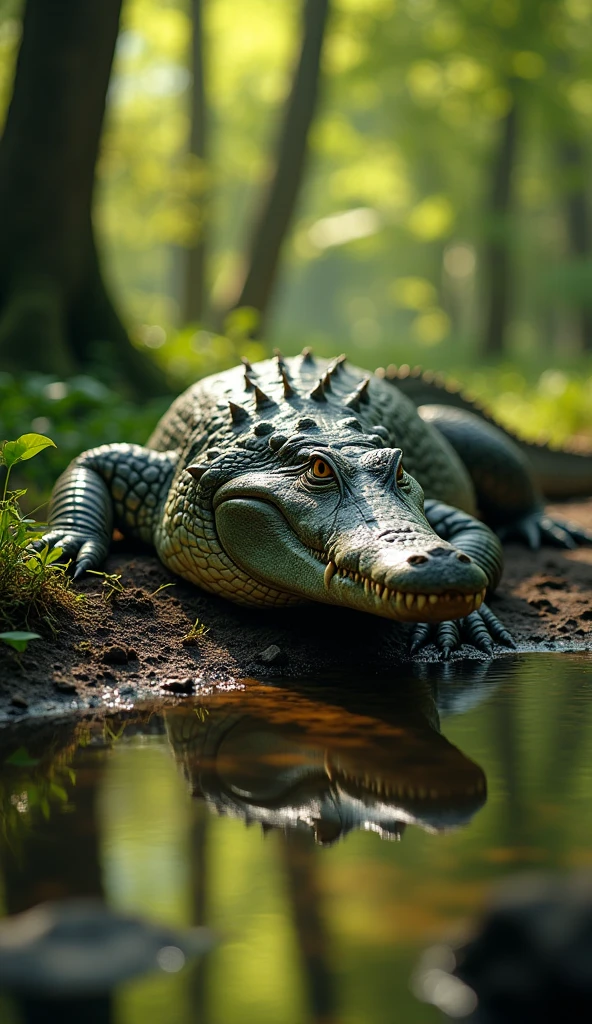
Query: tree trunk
(54,307)
(578,223)
(498,264)
(304,892)
(194,257)
(280,200)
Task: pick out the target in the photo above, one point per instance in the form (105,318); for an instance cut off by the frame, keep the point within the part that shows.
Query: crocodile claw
(84,551)
(481,629)
(538,528)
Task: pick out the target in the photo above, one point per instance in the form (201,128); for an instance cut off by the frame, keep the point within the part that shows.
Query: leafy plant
(19,639)
(33,584)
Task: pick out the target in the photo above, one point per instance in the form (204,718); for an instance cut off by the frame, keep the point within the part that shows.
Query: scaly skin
(291,481)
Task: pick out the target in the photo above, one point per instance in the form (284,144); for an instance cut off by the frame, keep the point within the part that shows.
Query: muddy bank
(140,641)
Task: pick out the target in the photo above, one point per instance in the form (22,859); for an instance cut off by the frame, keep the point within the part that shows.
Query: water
(208,812)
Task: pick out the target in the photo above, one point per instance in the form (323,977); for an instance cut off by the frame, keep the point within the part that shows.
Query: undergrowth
(34,585)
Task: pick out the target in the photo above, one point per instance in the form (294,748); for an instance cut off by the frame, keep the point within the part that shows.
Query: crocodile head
(324,510)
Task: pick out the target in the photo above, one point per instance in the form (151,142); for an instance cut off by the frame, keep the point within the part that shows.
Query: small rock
(178,685)
(270,654)
(63,686)
(115,655)
(19,702)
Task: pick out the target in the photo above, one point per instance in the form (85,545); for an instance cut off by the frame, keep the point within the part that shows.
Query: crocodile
(330,766)
(302,479)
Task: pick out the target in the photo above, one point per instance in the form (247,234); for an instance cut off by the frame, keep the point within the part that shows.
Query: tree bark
(279,202)
(577,213)
(304,892)
(54,307)
(194,257)
(497,261)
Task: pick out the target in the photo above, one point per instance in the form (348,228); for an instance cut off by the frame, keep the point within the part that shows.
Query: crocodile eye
(321,470)
(400,471)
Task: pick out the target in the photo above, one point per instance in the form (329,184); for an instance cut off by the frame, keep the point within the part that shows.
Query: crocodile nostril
(417,559)
(463,558)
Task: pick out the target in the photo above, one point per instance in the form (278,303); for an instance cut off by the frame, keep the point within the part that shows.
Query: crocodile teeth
(469,598)
(329,573)
(386,594)
(400,599)
(421,601)
(366,585)
(433,599)
(478,601)
(409,600)
(378,590)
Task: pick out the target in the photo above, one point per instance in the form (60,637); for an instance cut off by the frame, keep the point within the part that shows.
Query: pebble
(19,702)
(178,685)
(270,654)
(63,686)
(115,655)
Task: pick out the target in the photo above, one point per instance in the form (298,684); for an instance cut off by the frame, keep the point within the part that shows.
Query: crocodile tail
(560,472)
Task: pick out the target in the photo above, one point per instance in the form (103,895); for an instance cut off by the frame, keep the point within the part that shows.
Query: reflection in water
(324,767)
(58,859)
(313,929)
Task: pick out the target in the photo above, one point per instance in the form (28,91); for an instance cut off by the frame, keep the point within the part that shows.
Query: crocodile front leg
(122,485)
(481,627)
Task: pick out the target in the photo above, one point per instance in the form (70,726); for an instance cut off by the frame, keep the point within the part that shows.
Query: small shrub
(33,584)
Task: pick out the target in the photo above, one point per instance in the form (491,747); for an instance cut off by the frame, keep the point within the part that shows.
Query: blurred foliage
(554,407)
(386,257)
(78,413)
(33,784)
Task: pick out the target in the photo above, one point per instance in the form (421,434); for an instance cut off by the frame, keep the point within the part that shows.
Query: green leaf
(21,759)
(58,791)
(25,447)
(19,639)
(53,556)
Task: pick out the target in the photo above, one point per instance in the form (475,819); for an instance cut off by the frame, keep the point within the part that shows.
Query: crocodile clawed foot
(481,629)
(84,551)
(537,528)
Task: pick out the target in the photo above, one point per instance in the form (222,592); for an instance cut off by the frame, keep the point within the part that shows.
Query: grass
(34,585)
(197,631)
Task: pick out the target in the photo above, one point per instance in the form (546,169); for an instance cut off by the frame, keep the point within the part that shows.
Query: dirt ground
(137,643)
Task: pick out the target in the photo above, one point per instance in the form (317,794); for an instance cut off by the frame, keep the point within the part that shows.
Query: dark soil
(136,643)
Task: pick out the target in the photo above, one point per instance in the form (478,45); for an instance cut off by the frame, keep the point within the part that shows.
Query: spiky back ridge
(249,402)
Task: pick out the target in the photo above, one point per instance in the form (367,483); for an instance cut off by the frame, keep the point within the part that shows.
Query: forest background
(407,181)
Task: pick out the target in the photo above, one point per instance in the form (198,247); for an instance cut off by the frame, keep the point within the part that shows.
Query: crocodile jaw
(259,539)
(403,604)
